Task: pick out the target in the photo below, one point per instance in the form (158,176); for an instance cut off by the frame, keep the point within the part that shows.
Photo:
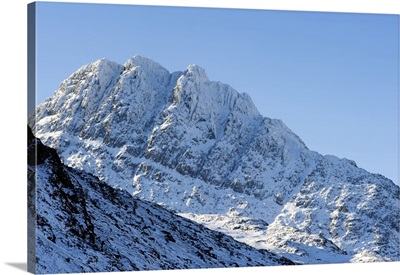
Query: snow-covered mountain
(85,225)
(201,149)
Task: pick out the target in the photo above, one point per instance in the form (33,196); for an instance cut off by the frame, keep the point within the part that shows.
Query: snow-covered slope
(358,213)
(200,148)
(85,225)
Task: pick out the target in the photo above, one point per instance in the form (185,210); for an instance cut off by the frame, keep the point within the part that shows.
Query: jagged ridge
(199,147)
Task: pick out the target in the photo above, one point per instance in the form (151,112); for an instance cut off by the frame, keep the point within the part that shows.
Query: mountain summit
(201,149)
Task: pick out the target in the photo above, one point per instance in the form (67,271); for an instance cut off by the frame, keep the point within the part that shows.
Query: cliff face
(201,149)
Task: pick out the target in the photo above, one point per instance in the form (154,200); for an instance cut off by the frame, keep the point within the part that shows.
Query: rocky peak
(147,68)
(196,74)
(199,146)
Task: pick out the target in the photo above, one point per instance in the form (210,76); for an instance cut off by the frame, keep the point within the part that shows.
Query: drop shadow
(20,266)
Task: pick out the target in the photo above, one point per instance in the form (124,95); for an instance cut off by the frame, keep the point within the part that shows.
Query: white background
(13,76)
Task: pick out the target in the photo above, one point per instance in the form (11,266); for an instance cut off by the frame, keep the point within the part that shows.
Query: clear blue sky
(331,77)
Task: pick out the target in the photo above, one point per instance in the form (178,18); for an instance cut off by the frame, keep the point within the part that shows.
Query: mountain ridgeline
(201,149)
